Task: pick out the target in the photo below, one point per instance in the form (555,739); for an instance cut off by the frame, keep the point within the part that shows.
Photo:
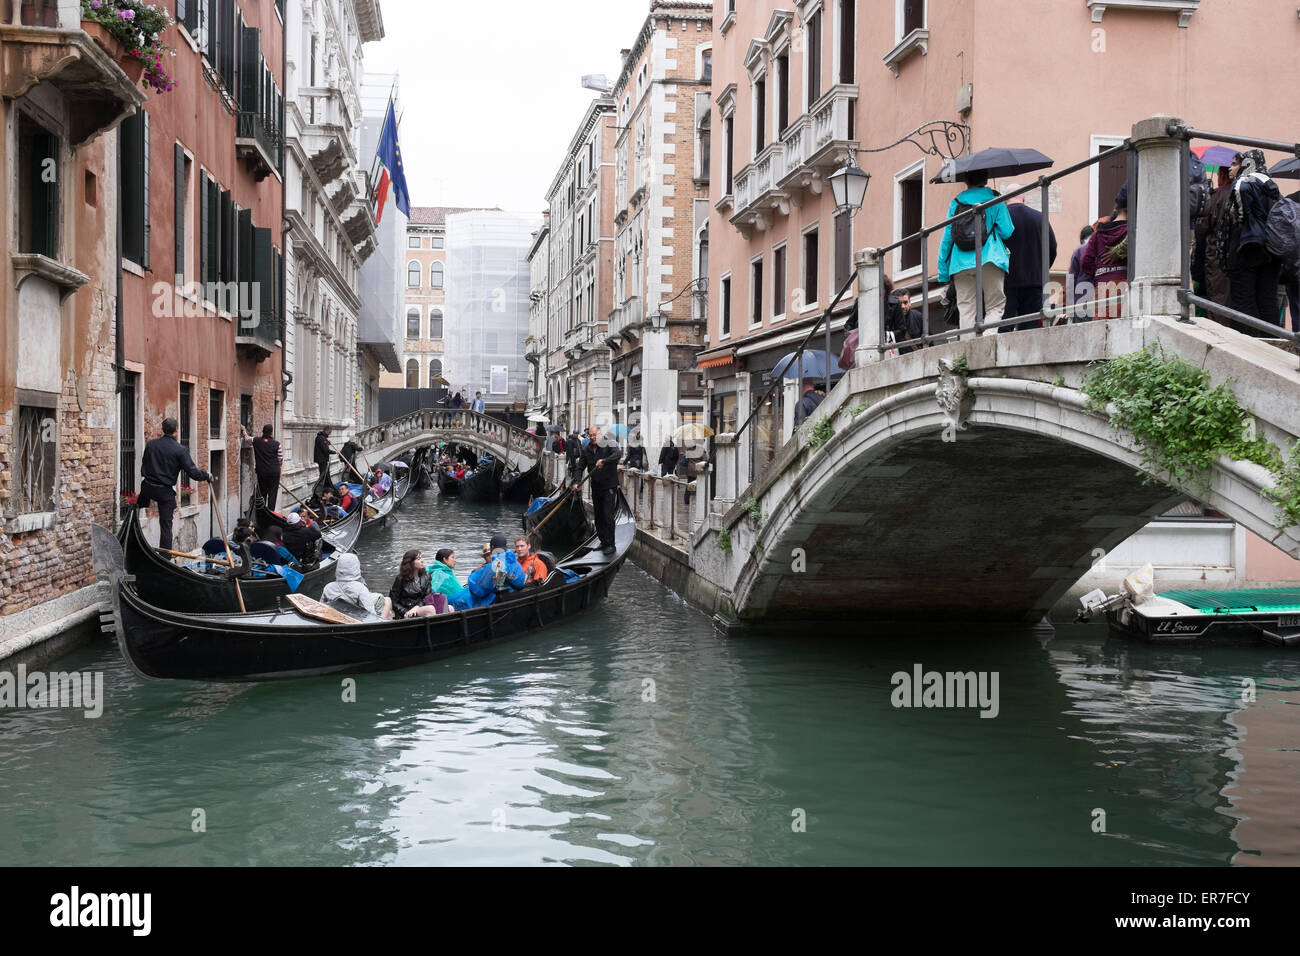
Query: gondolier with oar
(164,458)
(600,458)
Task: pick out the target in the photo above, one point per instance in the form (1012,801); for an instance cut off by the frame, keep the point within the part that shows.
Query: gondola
(377,510)
(401,485)
(285,642)
(567,530)
(340,534)
(449,484)
(524,486)
(485,483)
(167,585)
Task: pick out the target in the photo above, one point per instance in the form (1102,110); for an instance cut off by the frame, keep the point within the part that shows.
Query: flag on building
(391,172)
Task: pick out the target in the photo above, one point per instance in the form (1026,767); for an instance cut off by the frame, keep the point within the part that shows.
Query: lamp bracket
(945,139)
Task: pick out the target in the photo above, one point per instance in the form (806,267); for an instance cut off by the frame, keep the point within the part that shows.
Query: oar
(221,526)
(302,503)
(556,507)
(180,554)
(346,462)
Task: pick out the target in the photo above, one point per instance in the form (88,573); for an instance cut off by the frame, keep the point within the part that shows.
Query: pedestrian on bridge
(1024,284)
(478,405)
(1252,270)
(957,252)
(668,456)
(812,397)
(163,460)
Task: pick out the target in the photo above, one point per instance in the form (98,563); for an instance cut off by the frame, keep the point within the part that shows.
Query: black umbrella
(1287,169)
(996,162)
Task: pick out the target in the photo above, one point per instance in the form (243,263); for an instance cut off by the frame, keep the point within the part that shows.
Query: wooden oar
(556,507)
(221,526)
(181,554)
(301,503)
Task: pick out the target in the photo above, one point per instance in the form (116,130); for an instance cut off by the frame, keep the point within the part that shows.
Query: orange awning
(717,361)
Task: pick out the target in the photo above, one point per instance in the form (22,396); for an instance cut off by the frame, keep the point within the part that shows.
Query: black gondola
(567,530)
(167,585)
(340,534)
(377,511)
(523,487)
(284,643)
(401,485)
(449,484)
(485,483)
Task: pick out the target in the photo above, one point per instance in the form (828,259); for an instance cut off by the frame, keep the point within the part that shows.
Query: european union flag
(390,155)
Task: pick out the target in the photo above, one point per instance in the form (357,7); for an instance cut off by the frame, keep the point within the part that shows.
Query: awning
(716,361)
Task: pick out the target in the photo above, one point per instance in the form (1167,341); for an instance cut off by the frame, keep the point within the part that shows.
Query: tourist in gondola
(534,567)
(600,458)
(381,483)
(500,573)
(411,588)
(345,497)
(302,539)
(243,532)
(163,459)
(273,538)
(268,460)
(442,574)
(349,587)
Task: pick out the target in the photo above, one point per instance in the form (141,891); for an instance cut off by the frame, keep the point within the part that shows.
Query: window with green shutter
(133,144)
(38,189)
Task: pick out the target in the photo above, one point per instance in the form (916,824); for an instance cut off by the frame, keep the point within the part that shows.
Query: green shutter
(227,248)
(250,59)
(144,191)
(45,201)
(212,20)
(204,216)
(244,224)
(214,231)
(178,216)
(262,272)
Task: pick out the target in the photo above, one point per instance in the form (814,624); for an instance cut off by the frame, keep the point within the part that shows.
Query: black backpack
(964,228)
(1198,189)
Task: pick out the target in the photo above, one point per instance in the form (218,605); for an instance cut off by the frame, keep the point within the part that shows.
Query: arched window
(435,275)
(413,273)
(435,323)
(412,323)
(412,373)
(435,372)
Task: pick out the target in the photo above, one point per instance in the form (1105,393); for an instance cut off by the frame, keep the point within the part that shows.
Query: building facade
(656,325)
(800,84)
(202,266)
(328,215)
(487,306)
(581,205)
(539,298)
(63,100)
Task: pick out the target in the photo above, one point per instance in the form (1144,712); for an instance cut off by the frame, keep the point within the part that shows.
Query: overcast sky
(491,91)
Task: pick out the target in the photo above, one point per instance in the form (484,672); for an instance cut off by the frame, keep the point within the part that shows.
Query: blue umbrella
(812,365)
(995,162)
(618,430)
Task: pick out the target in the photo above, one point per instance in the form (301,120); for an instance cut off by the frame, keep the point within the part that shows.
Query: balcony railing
(757,188)
(817,141)
(259,143)
(628,317)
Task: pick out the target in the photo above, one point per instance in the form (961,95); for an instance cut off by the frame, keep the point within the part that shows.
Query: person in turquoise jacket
(501,573)
(959,265)
(442,575)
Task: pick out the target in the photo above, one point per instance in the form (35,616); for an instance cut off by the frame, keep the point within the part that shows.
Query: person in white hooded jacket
(349,587)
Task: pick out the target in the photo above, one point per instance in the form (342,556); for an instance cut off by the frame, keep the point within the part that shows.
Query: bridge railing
(462,421)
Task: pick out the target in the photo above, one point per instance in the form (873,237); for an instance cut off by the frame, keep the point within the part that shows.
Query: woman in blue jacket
(958,264)
(501,572)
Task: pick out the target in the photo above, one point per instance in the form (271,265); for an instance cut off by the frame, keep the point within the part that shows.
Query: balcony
(758,193)
(259,145)
(1184,8)
(625,321)
(45,43)
(817,142)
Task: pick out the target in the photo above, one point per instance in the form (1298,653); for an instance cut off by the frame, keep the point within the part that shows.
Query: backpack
(1198,189)
(1282,231)
(964,228)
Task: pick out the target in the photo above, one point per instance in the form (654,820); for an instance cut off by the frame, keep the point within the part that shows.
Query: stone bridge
(905,513)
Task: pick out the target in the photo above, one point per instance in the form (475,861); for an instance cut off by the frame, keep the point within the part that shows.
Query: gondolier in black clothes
(322,455)
(268,460)
(600,458)
(164,458)
(349,453)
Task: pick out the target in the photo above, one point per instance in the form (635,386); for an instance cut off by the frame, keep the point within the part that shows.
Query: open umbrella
(812,365)
(1287,169)
(1215,155)
(999,161)
(692,431)
(618,430)
(536,417)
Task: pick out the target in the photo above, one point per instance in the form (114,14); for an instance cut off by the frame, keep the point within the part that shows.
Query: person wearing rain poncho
(348,587)
(1252,271)
(500,573)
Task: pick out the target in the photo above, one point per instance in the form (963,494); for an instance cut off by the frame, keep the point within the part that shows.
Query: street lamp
(849,186)
(658,320)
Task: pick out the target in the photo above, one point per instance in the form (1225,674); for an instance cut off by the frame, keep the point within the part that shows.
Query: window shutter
(178,243)
(244,224)
(224,239)
(204,216)
(144,192)
(211,20)
(46,234)
(214,230)
(262,265)
(250,58)
(277,287)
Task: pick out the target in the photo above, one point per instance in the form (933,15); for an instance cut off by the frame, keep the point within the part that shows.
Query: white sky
(491,91)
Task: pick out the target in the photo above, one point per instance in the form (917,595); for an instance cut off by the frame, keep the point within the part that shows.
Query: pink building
(800,84)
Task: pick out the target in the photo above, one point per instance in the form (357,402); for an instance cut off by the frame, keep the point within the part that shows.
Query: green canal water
(639,735)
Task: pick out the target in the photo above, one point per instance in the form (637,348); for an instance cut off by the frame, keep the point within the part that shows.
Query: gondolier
(164,458)
(600,458)
(322,455)
(349,453)
(268,461)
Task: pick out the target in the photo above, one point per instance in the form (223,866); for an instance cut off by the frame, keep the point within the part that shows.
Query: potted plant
(131,32)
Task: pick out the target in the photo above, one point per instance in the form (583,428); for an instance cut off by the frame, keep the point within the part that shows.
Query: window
(412,242)
(437,242)
(724,307)
(848,40)
(435,323)
(435,372)
(810,267)
(413,323)
(127,417)
(778,282)
(706,66)
(908,196)
(216,413)
(184,170)
(435,275)
(412,373)
(729,124)
(413,274)
(913,16)
(38,444)
(133,143)
(756,291)
(760,115)
(38,189)
(843,248)
(185,433)
(782,93)
(813,40)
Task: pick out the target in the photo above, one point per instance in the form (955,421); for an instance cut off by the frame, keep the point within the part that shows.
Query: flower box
(132,66)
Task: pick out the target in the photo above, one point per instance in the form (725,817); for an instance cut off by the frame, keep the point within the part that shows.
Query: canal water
(639,735)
